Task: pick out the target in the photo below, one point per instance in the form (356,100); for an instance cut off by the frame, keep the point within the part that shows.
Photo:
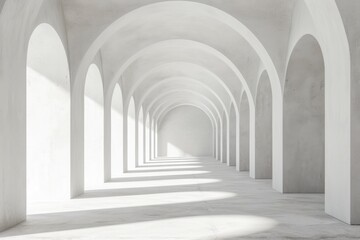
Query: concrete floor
(183,199)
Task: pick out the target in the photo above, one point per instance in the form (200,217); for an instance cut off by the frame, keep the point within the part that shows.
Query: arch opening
(147,138)
(185,131)
(244,133)
(232,136)
(116,133)
(47,117)
(131,139)
(304,113)
(263,129)
(93,129)
(141,138)
(224,152)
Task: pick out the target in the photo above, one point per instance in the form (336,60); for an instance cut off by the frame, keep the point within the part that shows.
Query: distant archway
(47,117)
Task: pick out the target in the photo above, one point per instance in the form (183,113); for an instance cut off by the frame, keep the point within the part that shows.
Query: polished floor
(184,199)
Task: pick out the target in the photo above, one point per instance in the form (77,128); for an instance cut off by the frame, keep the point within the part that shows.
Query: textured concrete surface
(184,199)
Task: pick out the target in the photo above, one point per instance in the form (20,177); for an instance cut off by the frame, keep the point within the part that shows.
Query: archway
(131,131)
(244,133)
(232,132)
(141,137)
(263,129)
(224,150)
(185,131)
(219,144)
(304,125)
(47,117)
(147,138)
(117,133)
(93,129)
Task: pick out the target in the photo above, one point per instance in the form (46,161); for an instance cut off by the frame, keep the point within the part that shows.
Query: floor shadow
(235,194)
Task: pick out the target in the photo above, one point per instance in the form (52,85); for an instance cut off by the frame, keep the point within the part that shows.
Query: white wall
(185,131)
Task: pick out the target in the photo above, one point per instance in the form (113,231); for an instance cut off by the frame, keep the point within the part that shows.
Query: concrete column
(349,11)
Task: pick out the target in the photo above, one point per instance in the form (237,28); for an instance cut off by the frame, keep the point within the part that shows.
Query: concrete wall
(185,131)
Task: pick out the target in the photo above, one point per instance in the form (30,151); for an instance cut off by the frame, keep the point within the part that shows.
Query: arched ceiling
(212,48)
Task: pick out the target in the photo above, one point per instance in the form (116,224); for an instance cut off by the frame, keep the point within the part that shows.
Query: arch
(170,106)
(185,91)
(116,133)
(93,129)
(141,132)
(341,197)
(208,11)
(131,139)
(214,111)
(224,147)
(185,132)
(147,138)
(262,168)
(220,16)
(304,110)
(169,81)
(232,137)
(47,117)
(167,105)
(244,133)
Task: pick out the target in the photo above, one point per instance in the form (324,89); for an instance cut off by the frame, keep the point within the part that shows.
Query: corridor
(183,198)
(185,119)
